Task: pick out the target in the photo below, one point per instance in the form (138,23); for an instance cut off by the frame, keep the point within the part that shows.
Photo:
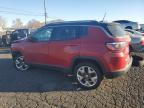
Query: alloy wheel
(87,76)
(20,63)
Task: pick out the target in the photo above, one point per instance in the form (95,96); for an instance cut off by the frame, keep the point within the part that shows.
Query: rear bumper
(116,74)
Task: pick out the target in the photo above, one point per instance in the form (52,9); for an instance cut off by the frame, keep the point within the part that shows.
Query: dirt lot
(42,88)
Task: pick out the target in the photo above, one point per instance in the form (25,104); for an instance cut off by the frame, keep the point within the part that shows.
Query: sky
(72,10)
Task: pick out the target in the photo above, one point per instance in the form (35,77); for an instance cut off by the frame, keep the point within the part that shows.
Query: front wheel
(20,63)
(88,75)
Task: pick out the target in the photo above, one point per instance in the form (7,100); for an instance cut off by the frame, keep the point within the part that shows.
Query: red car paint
(63,53)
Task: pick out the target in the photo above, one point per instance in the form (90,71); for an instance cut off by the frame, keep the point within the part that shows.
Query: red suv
(88,49)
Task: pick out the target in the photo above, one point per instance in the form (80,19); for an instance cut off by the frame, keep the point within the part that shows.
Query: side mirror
(32,39)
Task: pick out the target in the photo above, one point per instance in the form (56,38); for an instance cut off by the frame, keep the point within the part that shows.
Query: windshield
(116,30)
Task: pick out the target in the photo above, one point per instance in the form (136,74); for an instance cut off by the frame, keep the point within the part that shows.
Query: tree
(34,24)
(2,23)
(17,23)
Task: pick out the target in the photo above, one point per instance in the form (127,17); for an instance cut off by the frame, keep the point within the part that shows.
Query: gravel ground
(42,88)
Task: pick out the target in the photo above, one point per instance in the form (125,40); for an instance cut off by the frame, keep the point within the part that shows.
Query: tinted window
(42,34)
(65,33)
(122,21)
(116,30)
(15,32)
(83,31)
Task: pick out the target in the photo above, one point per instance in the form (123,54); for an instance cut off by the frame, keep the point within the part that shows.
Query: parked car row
(89,50)
(137,40)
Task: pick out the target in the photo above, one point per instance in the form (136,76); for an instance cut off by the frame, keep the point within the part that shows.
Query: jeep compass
(90,50)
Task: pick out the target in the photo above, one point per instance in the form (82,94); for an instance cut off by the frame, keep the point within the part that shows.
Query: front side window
(43,34)
(65,33)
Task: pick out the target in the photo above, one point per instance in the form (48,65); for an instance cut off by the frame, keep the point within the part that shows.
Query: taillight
(142,42)
(116,46)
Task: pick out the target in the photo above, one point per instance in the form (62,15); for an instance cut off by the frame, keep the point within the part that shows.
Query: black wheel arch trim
(97,61)
(15,53)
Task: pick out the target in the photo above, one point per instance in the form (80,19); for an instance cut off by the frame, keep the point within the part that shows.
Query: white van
(125,24)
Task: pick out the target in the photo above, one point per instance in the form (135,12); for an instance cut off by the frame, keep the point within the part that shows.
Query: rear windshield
(116,30)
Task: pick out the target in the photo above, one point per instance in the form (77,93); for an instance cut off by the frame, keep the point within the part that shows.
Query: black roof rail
(84,22)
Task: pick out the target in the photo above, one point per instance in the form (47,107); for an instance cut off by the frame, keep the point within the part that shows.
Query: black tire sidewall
(14,62)
(99,75)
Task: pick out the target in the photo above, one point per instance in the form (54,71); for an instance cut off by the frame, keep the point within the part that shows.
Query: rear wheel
(20,63)
(88,75)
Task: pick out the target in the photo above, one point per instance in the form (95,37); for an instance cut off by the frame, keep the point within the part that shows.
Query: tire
(87,75)
(20,64)
(138,61)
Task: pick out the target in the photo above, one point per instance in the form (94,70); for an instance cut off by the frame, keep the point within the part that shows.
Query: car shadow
(33,80)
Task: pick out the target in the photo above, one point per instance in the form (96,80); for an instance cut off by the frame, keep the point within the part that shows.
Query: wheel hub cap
(20,64)
(87,76)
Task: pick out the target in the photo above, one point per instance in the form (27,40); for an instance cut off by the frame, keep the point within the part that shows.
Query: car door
(64,45)
(37,48)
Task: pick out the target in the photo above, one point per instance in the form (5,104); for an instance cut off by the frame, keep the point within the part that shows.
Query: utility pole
(45,12)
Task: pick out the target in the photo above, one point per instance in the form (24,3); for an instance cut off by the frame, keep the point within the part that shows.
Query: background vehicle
(88,49)
(5,39)
(142,27)
(125,24)
(137,40)
(0,41)
(134,32)
(20,34)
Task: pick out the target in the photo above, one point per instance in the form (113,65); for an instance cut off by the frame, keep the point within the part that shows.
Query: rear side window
(65,33)
(116,30)
(83,31)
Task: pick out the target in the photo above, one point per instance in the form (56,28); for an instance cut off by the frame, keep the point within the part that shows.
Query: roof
(85,22)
